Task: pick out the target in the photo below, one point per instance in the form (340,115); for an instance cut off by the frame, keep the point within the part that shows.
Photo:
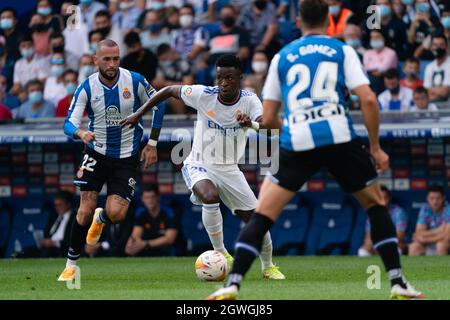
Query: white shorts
(233,188)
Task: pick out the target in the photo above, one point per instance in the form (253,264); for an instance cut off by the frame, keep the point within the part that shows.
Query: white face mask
(259,66)
(186,21)
(126,5)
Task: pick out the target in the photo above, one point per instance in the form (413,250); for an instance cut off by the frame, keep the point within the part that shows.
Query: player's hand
(149,155)
(244,120)
(87,136)
(381,159)
(131,120)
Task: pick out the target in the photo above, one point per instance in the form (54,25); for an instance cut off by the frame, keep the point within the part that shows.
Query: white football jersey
(218,137)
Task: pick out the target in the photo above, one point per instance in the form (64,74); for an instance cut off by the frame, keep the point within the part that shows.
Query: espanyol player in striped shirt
(112,153)
(310,77)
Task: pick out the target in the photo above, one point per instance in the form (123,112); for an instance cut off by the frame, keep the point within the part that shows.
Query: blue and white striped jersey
(105,107)
(310,76)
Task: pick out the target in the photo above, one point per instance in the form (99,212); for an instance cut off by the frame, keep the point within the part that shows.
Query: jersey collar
(106,86)
(232,103)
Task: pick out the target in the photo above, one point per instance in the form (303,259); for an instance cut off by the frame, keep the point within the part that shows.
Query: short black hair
(26,38)
(392,74)
(103,13)
(162,49)
(151,188)
(10,9)
(189,6)
(65,196)
(229,61)
(420,90)
(436,188)
(441,35)
(92,32)
(70,71)
(132,38)
(313,13)
(33,82)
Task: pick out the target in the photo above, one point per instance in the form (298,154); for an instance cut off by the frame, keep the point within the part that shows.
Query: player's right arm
(272,97)
(75,115)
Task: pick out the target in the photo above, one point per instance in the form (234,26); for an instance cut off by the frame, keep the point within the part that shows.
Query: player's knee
(210,196)
(116,215)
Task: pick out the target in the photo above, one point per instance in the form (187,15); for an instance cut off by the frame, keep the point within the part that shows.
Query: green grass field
(174,278)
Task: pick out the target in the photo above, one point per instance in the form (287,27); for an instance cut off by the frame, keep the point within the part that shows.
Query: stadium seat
(331,228)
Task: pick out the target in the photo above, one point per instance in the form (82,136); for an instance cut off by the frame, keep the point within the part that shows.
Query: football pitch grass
(175,279)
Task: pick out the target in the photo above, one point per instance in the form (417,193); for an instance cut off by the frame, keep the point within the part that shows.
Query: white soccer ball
(211,265)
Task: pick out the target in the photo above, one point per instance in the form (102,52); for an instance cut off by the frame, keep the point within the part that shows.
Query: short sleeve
(191,95)
(402,220)
(272,86)
(255,108)
(422,216)
(427,78)
(353,70)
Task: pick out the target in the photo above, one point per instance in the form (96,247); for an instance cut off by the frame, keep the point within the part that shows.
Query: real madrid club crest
(126,94)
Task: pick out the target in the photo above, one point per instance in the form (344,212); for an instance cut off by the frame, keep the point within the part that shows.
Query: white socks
(213,222)
(71,263)
(266,252)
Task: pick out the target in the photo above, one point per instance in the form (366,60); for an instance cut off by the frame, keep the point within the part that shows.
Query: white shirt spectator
(437,76)
(37,68)
(200,7)
(54,91)
(88,13)
(76,40)
(431,107)
(403,102)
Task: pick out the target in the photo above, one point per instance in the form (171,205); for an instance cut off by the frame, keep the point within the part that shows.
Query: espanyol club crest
(126,94)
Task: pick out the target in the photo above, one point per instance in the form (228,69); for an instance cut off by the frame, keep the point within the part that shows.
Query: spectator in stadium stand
(422,100)
(102,23)
(411,69)
(259,19)
(54,89)
(89,10)
(378,60)
(395,97)
(126,18)
(5,113)
(250,84)
(44,9)
(191,40)
(75,32)
(437,73)
(155,229)
(10,101)
(432,234)
(55,240)
(230,38)
(35,107)
(154,33)
(40,33)
(172,70)
(95,36)
(338,16)
(205,10)
(8,29)
(70,83)
(87,67)
(172,21)
(445,21)
(30,66)
(57,45)
(393,29)
(400,220)
(352,37)
(139,59)
(423,25)
(6,64)
(260,66)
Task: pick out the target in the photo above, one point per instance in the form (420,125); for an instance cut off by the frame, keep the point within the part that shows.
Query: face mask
(57,71)
(86,2)
(260,4)
(58,48)
(104,31)
(93,47)
(439,53)
(44,11)
(446,22)
(377,44)
(411,73)
(165,64)
(35,97)
(384,10)
(354,43)
(395,91)
(259,66)
(6,24)
(186,21)
(154,27)
(157,6)
(407,2)
(126,5)
(334,10)
(423,7)
(87,70)
(27,53)
(71,88)
(228,21)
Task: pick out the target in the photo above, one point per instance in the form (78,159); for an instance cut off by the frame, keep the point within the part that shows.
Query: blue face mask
(407,2)
(384,10)
(57,71)
(446,22)
(35,97)
(93,48)
(423,7)
(71,88)
(44,11)
(86,2)
(334,10)
(377,44)
(157,6)
(354,43)
(154,27)
(87,70)
(6,24)
(27,53)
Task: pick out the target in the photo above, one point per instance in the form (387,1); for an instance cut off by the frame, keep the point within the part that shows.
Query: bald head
(106,43)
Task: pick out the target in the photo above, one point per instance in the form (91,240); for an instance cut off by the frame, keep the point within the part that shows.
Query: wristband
(152,142)
(255,125)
